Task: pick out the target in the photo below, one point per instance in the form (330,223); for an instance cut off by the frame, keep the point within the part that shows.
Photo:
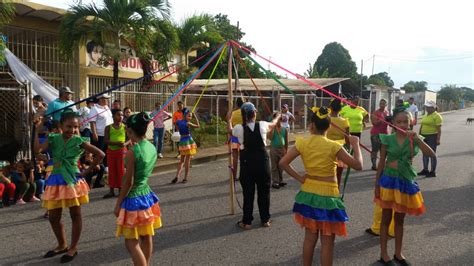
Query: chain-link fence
(15,122)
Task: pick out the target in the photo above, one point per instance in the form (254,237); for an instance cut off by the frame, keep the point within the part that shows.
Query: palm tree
(7,11)
(195,32)
(117,23)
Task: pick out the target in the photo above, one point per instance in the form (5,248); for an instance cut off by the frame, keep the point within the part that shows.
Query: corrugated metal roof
(263,84)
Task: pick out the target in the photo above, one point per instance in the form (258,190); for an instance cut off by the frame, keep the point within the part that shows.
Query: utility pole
(236,62)
(373,63)
(361,75)
(229,108)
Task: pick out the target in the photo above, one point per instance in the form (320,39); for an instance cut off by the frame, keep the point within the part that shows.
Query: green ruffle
(139,191)
(321,202)
(186,142)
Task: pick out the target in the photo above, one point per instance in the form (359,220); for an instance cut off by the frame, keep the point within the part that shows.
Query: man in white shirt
(286,117)
(413,109)
(84,112)
(100,116)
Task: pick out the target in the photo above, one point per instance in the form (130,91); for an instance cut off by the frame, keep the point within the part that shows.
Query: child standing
(65,188)
(318,207)
(278,148)
(186,145)
(395,186)
(137,206)
(115,140)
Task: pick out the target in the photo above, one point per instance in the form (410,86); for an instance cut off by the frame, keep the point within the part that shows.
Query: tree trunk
(116,72)
(147,73)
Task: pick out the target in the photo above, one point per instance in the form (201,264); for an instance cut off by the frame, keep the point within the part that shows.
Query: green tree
(313,73)
(381,78)
(449,93)
(467,94)
(415,86)
(7,12)
(336,60)
(116,23)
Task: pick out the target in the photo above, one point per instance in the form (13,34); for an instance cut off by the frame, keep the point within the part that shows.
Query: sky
(411,40)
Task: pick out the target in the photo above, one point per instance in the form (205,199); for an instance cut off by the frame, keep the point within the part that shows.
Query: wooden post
(229,108)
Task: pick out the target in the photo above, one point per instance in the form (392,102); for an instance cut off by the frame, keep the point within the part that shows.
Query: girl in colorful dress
(318,207)
(65,188)
(137,209)
(395,186)
(115,139)
(186,145)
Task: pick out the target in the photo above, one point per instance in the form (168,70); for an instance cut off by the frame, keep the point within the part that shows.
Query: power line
(433,59)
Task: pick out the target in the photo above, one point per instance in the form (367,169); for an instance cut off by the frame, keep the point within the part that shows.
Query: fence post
(305,111)
(217,117)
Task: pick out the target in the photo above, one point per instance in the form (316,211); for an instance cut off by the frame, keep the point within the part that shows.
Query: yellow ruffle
(61,192)
(188,152)
(394,195)
(328,189)
(64,203)
(136,232)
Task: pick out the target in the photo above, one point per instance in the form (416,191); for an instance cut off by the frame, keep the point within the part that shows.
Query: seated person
(84,163)
(7,187)
(23,177)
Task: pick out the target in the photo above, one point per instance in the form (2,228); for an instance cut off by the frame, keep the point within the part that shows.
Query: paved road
(198,230)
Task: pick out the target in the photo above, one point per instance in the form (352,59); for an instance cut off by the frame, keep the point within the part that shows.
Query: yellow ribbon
(318,114)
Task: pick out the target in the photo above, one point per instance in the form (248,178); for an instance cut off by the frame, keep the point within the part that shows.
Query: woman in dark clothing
(254,165)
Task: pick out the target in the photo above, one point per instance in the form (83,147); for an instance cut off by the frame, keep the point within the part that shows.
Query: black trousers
(255,172)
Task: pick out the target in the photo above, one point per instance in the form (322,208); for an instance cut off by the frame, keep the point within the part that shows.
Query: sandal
(53,253)
(184,181)
(387,263)
(68,258)
(243,226)
(403,262)
(174,181)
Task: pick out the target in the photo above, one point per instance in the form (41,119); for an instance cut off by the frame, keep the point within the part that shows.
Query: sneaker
(431,174)
(160,155)
(20,202)
(423,172)
(34,199)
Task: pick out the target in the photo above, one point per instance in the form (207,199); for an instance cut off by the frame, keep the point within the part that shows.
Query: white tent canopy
(24,74)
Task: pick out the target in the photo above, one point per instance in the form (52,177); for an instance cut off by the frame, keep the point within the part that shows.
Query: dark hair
(68,114)
(90,46)
(91,100)
(335,105)
(138,123)
(117,101)
(125,109)
(239,102)
(246,116)
(38,98)
(321,124)
(55,125)
(114,111)
(179,102)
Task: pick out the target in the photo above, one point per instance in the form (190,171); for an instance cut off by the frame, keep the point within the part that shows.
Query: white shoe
(160,155)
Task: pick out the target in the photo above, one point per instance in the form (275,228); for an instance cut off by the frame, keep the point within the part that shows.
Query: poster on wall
(95,58)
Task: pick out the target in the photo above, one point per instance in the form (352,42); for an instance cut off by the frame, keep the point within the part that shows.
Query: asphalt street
(199,230)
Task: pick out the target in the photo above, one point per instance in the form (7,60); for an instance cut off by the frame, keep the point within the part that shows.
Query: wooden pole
(229,107)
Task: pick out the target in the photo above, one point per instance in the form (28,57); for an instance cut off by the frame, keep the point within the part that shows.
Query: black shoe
(370,232)
(66,258)
(108,195)
(98,186)
(403,262)
(1,204)
(374,168)
(387,263)
(174,180)
(282,184)
(423,172)
(276,186)
(431,174)
(53,253)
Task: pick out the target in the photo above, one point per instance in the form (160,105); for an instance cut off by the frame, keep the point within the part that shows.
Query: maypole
(229,107)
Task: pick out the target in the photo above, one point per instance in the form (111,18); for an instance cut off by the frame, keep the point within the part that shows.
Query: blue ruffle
(58,180)
(400,184)
(234,139)
(140,202)
(322,215)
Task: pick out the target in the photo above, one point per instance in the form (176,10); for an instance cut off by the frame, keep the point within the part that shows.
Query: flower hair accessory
(316,111)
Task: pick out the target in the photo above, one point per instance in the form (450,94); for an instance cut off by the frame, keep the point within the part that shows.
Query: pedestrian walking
(137,208)
(254,165)
(318,206)
(396,191)
(286,117)
(65,188)
(431,130)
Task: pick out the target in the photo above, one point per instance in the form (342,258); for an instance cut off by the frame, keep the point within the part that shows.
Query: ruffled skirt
(58,194)
(319,207)
(187,146)
(400,195)
(234,143)
(139,216)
